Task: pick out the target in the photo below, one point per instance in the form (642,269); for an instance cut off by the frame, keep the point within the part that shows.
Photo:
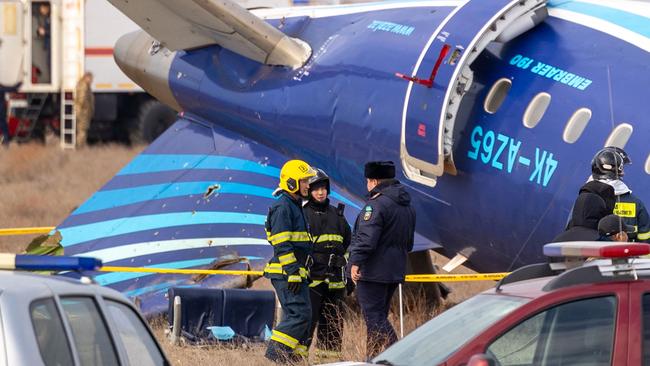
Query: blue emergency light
(28,262)
(596,249)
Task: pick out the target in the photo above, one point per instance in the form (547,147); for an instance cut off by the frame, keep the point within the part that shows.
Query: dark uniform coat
(630,208)
(286,230)
(383,234)
(588,209)
(331,236)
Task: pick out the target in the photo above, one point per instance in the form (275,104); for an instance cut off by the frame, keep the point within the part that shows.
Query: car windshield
(437,339)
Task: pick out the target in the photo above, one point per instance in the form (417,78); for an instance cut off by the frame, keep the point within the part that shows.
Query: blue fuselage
(515,185)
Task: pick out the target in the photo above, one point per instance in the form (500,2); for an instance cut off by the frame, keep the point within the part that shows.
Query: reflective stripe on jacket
(634,213)
(287,232)
(331,236)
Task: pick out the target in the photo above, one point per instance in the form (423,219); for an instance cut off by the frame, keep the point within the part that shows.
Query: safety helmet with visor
(608,163)
(621,152)
(320,179)
(292,172)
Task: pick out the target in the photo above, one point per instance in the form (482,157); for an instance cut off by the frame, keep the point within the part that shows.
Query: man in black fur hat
(382,237)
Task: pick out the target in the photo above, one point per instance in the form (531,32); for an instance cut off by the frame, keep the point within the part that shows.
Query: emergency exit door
(442,76)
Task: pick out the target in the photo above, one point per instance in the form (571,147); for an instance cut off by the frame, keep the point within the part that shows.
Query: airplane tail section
(195,198)
(182,25)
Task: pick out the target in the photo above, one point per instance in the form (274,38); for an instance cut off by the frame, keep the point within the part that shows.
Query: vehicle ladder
(29,120)
(72,69)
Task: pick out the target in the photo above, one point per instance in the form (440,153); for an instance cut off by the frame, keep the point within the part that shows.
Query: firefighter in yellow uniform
(288,233)
(84,107)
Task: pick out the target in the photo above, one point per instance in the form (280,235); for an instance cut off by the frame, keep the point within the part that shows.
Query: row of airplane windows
(574,127)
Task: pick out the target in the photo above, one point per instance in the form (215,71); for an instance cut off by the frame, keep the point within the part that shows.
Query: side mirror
(481,359)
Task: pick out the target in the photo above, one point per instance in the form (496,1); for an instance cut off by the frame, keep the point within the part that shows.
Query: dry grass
(42,184)
(354,338)
(354,334)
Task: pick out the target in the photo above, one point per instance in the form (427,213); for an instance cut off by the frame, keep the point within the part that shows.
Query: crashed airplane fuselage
(492,110)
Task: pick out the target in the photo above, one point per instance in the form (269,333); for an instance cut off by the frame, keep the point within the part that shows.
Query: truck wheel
(153,119)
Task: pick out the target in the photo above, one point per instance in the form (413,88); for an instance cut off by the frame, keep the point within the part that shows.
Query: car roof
(17,283)
(535,280)
(528,288)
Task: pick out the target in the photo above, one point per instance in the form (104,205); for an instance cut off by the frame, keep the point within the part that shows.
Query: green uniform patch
(368,214)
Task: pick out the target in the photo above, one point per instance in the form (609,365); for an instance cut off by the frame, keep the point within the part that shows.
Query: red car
(597,313)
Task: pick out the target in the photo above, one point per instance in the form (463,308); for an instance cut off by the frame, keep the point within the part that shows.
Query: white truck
(45,48)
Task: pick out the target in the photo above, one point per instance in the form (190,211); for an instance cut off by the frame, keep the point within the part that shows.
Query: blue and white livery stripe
(115,277)
(151,163)
(82,233)
(632,27)
(158,288)
(127,196)
(165,246)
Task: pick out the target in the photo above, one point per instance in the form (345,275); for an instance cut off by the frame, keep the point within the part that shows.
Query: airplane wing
(195,198)
(182,25)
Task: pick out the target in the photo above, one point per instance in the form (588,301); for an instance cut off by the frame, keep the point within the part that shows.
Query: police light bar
(596,249)
(27,262)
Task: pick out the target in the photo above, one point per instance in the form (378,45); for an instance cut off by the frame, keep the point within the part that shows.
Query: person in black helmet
(607,166)
(331,237)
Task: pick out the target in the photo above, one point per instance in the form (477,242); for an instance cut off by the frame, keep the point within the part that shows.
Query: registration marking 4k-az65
(502,152)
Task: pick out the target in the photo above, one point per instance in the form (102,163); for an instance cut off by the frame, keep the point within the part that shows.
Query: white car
(60,321)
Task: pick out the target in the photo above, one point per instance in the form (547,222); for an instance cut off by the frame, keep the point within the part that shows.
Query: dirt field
(41,185)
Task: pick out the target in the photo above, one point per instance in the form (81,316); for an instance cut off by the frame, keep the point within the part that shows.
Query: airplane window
(536,109)
(620,135)
(647,164)
(576,125)
(497,95)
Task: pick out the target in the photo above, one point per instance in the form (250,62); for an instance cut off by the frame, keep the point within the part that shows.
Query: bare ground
(41,185)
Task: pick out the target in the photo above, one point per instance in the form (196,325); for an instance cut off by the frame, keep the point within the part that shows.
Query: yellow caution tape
(26,230)
(181,271)
(409,278)
(456,277)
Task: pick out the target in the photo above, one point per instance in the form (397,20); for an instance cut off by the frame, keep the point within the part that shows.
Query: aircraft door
(442,75)
(42,69)
(41,45)
(11,42)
